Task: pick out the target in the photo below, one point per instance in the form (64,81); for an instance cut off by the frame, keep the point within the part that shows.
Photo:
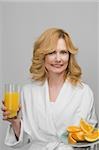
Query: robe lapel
(60,107)
(62,100)
(63,97)
(48,111)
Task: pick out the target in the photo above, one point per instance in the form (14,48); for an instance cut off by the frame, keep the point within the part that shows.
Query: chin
(58,71)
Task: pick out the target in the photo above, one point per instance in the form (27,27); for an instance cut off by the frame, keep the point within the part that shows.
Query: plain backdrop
(21,24)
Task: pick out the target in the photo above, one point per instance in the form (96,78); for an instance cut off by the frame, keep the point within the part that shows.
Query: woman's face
(57,61)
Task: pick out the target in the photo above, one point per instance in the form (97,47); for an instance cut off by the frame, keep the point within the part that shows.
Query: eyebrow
(62,50)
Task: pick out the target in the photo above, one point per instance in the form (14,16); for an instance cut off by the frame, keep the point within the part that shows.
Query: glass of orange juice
(12,98)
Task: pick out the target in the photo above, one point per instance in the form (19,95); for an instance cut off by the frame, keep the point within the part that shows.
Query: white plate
(64,139)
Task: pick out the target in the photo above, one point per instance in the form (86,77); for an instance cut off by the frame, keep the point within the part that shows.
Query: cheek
(48,60)
(66,59)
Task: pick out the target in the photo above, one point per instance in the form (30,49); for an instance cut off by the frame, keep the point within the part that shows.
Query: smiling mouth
(57,65)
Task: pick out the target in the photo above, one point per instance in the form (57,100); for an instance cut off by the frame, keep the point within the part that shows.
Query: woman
(56,99)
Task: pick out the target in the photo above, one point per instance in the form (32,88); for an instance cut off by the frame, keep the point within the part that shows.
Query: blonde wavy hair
(46,44)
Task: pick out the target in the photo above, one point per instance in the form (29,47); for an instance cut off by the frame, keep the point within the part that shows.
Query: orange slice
(73,129)
(85,126)
(71,140)
(78,136)
(91,137)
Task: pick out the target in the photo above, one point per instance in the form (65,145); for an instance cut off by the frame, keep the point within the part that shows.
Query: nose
(58,57)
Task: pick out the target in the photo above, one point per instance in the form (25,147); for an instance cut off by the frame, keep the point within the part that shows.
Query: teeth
(57,65)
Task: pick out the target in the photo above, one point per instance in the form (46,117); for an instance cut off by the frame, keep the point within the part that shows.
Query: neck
(56,79)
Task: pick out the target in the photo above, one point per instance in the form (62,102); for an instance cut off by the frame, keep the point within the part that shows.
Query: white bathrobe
(44,121)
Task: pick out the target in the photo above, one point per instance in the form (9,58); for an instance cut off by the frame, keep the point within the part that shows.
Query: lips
(57,65)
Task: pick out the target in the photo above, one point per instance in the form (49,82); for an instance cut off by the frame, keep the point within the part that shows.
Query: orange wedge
(73,129)
(71,140)
(91,137)
(78,136)
(85,126)
(83,132)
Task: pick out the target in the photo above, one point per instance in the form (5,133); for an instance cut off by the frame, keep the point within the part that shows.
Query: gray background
(22,23)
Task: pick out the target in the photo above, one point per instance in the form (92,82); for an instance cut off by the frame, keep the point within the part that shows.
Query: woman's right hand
(6,113)
(15,121)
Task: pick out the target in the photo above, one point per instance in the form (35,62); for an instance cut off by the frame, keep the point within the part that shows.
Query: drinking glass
(11,99)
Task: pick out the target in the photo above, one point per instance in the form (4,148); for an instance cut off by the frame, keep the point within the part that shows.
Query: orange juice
(12,103)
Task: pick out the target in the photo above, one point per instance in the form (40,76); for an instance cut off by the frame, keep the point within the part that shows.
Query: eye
(54,52)
(64,52)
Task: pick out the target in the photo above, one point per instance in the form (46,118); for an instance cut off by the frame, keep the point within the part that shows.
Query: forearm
(16,125)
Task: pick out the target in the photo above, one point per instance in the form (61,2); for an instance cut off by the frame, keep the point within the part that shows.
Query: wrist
(16,125)
(15,121)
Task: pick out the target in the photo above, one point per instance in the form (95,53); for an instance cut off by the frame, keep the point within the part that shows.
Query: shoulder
(86,88)
(82,88)
(86,92)
(31,86)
